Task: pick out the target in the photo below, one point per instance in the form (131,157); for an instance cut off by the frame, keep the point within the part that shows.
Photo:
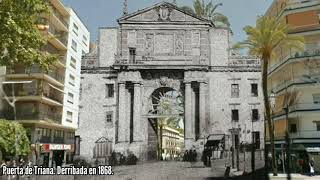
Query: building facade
(294,78)
(172,143)
(42,98)
(163,49)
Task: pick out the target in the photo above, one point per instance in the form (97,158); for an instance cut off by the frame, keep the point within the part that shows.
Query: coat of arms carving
(164,13)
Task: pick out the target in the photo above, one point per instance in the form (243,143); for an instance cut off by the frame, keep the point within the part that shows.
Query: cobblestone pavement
(160,170)
(169,170)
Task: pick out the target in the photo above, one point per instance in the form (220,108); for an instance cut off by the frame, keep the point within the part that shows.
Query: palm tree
(268,34)
(171,108)
(187,9)
(208,11)
(201,9)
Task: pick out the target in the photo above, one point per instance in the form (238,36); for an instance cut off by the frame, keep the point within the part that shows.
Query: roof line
(164,3)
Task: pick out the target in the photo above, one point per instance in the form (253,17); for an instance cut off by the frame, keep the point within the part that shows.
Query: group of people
(190,155)
(14,163)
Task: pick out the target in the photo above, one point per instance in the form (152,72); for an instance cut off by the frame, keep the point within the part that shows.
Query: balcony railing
(283,85)
(61,36)
(53,74)
(36,116)
(33,90)
(59,16)
(295,4)
(305,134)
(162,60)
(300,107)
(295,55)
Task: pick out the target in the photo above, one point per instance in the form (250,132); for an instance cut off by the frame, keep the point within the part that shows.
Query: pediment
(162,12)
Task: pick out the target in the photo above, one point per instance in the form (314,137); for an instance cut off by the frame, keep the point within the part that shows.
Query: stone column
(137,133)
(122,113)
(189,129)
(202,108)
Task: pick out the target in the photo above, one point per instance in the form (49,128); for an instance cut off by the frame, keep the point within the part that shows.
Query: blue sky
(102,13)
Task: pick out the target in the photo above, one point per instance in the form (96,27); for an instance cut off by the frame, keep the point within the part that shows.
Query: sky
(104,13)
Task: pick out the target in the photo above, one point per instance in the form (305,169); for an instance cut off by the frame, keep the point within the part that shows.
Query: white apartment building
(79,40)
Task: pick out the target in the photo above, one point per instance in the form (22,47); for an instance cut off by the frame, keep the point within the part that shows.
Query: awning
(215,137)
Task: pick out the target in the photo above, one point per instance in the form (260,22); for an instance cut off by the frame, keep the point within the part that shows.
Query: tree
(209,11)
(21,42)
(262,41)
(187,9)
(171,108)
(13,139)
(20,39)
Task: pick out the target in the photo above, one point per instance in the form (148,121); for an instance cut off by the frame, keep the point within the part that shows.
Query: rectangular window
(235,114)
(254,90)
(109,90)
(109,117)
(74,45)
(318,126)
(256,139)
(70,98)
(316,98)
(234,90)
(293,128)
(73,63)
(132,55)
(72,80)
(75,29)
(255,115)
(84,40)
(69,116)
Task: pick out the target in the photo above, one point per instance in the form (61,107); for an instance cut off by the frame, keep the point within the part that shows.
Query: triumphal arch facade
(154,51)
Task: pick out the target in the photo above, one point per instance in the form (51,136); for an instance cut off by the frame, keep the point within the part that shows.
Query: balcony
(286,84)
(297,135)
(296,4)
(299,107)
(57,38)
(161,62)
(294,57)
(305,134)
(35,72)
(36,91)
(27,115)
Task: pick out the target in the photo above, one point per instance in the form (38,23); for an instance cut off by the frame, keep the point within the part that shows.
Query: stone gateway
(158,50)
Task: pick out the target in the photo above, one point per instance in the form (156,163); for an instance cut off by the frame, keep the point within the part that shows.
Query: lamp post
(272,98)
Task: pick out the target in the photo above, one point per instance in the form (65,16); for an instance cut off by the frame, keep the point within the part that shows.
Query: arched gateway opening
(165,124)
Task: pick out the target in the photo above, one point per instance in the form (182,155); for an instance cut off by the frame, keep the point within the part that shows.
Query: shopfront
(52,155)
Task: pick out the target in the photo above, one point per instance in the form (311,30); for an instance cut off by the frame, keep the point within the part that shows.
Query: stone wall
(108,45)
(221,104)
(93,109)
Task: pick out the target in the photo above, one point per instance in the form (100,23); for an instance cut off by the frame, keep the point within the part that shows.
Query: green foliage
(20,39)
(208,11)
(187,9)
(267,35)
(13,138)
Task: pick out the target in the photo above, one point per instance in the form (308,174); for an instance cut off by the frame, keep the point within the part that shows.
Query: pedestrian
(194,155)
(185,156)
(3,163)
(311,164)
